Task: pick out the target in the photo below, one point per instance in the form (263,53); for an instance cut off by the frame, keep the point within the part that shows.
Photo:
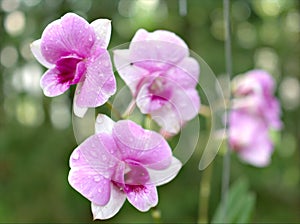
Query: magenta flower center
(71,69)
(135,178)
(159,89)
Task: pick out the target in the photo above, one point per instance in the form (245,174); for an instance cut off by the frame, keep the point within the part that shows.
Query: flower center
(135,178)
(159,89)
(71,69)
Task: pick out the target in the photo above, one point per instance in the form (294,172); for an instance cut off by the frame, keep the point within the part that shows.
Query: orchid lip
(68,69)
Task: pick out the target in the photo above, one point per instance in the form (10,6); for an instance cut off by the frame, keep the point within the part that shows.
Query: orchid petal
(90,184)
(95,152)
(78,111)
(186,103)
(117,199)
(185,73)
(142,197)
(69,35)
(158,50)
(143,146)
(131,74)
(102,29)
(167,118)
(51,85)
(104,124)
(35,48)
(160,177)
(99,83)
(258,154)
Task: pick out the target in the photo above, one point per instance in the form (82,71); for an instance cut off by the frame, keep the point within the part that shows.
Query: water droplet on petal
(104,158)
(97,179)
(106,64)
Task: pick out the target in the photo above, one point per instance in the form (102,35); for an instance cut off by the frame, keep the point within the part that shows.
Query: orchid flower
(161,76)
(255,111)
(121,160)
(74,52)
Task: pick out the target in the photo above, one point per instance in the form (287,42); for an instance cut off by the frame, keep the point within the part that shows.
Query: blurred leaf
(240,204)
(275,136)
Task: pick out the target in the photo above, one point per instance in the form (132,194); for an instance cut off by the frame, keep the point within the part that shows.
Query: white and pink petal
(99,82)
(115,203)
(69,35)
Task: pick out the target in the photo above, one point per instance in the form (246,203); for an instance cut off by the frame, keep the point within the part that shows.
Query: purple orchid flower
(254,93)
(122,160)
(255,111)
(249,138)
(161,76)
(74,52)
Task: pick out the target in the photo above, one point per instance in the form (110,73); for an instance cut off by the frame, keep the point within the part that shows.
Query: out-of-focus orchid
(122,160)
(255,111)
(74,52)
(161,76)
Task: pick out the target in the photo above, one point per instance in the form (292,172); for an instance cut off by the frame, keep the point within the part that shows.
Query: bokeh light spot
(9,56)
(15,23)
(9,5)
(289,92)
(267,59)
(29,112)
(60,112)
(246,35)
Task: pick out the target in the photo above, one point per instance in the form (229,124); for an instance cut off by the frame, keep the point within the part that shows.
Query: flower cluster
(161,76)
(121,160)
(255,111)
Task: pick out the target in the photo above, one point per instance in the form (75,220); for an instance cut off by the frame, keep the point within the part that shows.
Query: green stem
(129,109)
(226,158)
(204,194)
(111,107)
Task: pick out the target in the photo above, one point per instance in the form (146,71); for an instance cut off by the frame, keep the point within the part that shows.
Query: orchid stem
(129,109)
(226,158)
(111,107)
(204,194)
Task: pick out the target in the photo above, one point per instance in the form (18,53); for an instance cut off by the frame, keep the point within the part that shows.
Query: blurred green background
(36,135)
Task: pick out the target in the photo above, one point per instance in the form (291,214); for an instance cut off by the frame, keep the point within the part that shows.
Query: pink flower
(161,76)
(254,93)
(249,138)
(74,52)
(121,161)
(255,111)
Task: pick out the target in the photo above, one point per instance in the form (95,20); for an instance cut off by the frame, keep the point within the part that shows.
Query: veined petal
(51,85)
(185,73)
(99,83)
(143,197)
(102,29)
(90,184)
(132,75)
(167,118)
(160,177)
(95,153)
(35,48)
(69,35)
(78,111)
(186,102)
(143,146)
(157,51)
(117,199)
